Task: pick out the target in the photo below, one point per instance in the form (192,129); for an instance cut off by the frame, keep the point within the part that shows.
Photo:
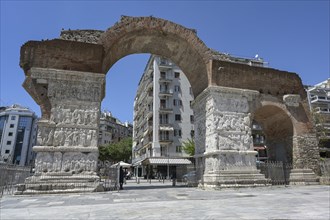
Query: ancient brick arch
(161,37)
(279,131)
(287,124)
(66,77)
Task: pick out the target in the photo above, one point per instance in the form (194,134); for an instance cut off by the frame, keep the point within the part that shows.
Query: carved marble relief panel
(75,99)
(74,115)
(228,131)
(66,162)
(78,91)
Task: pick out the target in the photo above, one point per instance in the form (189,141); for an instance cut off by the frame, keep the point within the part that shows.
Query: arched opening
(160,113)
(277,129)
(182,47)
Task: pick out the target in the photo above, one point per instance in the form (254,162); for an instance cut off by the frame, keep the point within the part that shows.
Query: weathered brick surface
(264,80)
(161,37)
(86,36)
(62,54)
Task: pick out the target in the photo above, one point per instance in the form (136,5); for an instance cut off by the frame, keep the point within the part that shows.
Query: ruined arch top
(161,37)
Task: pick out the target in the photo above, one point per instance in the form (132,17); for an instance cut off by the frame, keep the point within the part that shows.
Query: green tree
(104,153)
(120,151)
(189,147)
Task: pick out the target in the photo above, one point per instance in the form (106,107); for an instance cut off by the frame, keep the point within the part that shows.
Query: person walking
(121,178)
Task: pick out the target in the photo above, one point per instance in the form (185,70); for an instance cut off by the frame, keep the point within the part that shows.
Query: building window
(163,150)
(177,117)
(8,142)
(10,134)
(176,74)
(11,125)
(177,102)
(191,118)
(163,119)
(163,104)
(178,149)
(164,135)
(192,133)
(163,75)
(13,117)
(177,88)
(7,151)
(177,132)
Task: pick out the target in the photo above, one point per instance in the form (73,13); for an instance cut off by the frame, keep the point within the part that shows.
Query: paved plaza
(163,201)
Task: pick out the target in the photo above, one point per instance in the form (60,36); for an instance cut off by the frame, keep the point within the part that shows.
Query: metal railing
(11,175)
(277,172)
(109,176)
(325,171)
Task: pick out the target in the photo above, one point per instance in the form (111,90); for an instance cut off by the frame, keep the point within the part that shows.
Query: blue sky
(290,35)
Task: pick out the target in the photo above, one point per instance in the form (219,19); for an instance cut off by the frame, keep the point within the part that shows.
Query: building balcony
(165,65)
(165,140)
(164,80)
(147,143)
(149,114)
(165,109)
(147,130)
(165,127)
(317,99)
(140,158)
(166,93)
(149,85)
(322,110)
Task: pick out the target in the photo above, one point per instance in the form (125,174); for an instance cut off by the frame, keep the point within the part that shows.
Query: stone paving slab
(162,201)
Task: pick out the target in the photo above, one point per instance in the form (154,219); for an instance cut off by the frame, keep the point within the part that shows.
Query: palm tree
(189,147)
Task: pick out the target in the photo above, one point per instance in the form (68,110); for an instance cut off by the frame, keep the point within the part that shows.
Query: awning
(165,161)
(121,164)
(165,128)
(259,147)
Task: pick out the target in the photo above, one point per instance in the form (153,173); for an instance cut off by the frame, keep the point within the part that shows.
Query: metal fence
(325,168)
(10,176)
(109,176)
(277,172)
(325,171)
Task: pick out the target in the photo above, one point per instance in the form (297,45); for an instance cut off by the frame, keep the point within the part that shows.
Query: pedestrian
(121,177)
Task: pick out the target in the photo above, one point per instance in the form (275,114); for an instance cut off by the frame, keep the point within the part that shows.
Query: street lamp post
(168,163)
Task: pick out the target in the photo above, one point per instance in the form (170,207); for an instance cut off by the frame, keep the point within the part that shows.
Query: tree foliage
(189,147)
(120,151)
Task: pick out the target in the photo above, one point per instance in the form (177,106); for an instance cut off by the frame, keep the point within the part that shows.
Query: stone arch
(160,37)
(66,77)
(279,130)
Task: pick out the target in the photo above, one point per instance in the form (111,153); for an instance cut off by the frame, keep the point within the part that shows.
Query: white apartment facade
(112,130)
(18,134)
(163,119)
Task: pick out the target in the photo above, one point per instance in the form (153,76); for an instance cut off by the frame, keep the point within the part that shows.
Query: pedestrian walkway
(157,200)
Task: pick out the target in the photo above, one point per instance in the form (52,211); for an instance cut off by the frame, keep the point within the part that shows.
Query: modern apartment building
(18,134)
(163,119)
(112,129)
(319,102)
